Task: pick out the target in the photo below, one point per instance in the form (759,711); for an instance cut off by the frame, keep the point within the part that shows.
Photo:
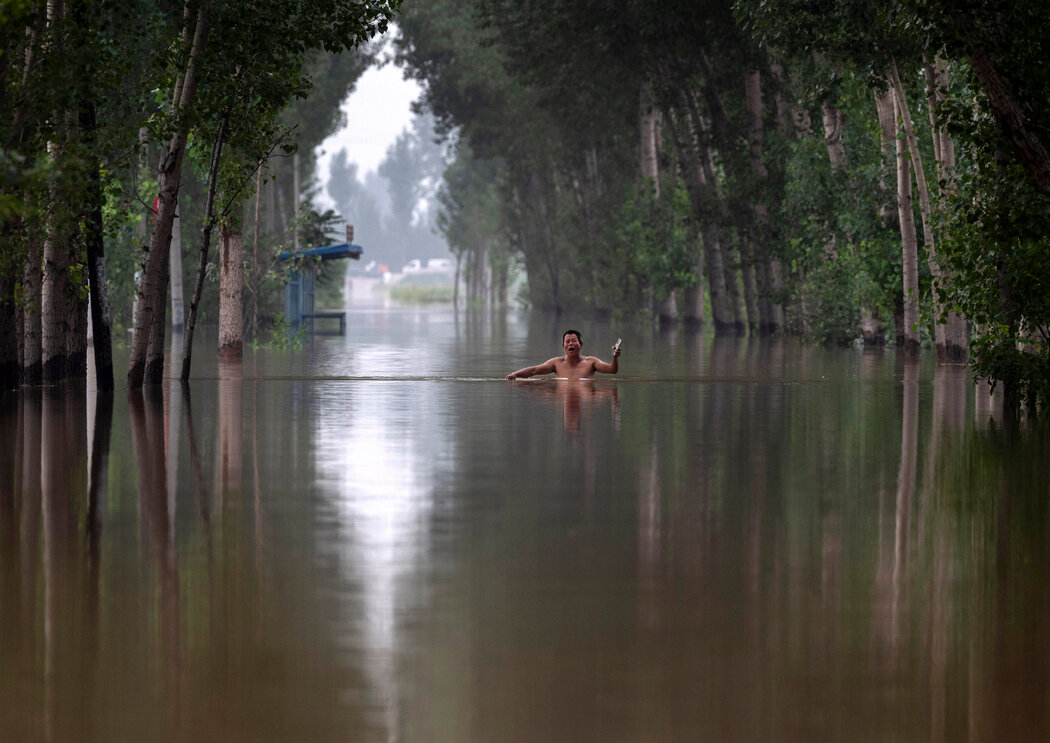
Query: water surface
(377,538)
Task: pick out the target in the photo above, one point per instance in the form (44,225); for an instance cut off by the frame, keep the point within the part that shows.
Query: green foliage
(652,247)
(414,295)
(281,337)
(998,249)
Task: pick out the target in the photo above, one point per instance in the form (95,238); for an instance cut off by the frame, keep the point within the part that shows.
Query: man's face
(571,344)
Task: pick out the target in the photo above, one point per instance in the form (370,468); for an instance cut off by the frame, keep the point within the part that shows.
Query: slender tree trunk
(647,116)
(699,196)
(175,274)
(940,276)
(54,298)
(955,335)
(734,295)
(32,330)
(152,292)
(202,263)
(101,318)
(76,338)
(1010,113)
(9,371)
(54,288)
(770,310)
(887,140)
(455,281)
(231,281)
(154,371)
(254,325)
(909,245)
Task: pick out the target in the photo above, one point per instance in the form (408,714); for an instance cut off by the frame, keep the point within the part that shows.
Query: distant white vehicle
(439,264)
(413,266)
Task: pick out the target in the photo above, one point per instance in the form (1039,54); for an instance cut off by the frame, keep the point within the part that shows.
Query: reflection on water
(377,538)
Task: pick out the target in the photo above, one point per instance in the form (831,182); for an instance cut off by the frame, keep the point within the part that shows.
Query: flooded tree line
(765,168)
(836,172)
(130,120)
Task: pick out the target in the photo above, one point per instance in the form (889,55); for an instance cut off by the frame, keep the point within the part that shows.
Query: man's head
(571,341)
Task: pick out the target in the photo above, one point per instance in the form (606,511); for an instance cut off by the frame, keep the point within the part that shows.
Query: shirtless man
(571,365)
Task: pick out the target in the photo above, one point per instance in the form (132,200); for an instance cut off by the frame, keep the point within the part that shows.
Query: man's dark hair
(579,336)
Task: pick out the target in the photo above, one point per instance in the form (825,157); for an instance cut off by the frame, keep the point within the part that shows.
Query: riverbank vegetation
(842,171)
(130,126)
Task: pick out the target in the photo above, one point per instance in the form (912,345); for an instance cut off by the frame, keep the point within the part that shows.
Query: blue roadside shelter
(299,292)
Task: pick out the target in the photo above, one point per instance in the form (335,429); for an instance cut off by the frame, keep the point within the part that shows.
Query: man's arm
(529,371)
(601,366)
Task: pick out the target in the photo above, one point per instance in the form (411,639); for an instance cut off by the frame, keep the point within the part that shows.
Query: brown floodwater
(377,538)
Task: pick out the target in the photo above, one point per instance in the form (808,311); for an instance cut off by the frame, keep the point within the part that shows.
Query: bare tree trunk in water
(693,296)
(924,207)
(749,278)
(154,371)
(870,324)
(648,117)
(152,293)
(455,281)
(887,143)
(253,325)
(9,370)
(231,280)
(909,245)
(101,315)
(770,310)
(699,195)
(31,328)
(54,301)
(202,263)
(956,342)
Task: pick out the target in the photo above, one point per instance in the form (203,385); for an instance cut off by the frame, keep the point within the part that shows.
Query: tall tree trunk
(253,325)
(940,276)
(231,281)
(154,371)
(649,149)
(32,330)
(1010,113)
(699,197)
(54,289)
(955,348)
(152,292)
(9,371)
(734,295)
(887,140)
(76,338)
(909,244)
(101,318)
(770,310)
(648,116)
(202,263)
(175,274)
(54,297)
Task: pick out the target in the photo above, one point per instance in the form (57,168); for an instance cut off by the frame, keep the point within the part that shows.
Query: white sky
(377,111)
